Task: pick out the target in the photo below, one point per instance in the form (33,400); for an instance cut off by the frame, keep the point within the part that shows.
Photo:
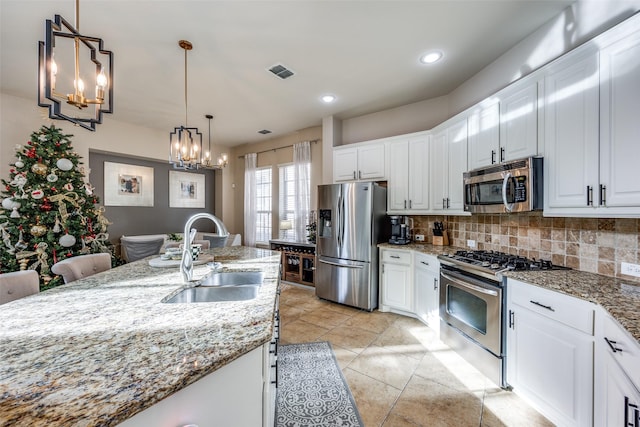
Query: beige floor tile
(289,313)
(402,340)
(353,339)
(428,403)
(325,318)
(388,366)
(375,321)
(343,309)
(373,398)
(343,356)
(299,331)
(394,420)
(446,367)
(503,408)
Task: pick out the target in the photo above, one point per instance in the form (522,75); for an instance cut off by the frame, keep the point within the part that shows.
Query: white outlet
(419,237)
(630,269)
(471,243)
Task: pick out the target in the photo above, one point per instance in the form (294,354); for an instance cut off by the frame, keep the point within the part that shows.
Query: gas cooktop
(493,262)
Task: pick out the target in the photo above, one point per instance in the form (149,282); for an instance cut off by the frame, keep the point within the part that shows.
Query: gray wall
(159,219)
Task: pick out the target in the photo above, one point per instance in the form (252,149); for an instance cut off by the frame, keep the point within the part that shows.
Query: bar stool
(80,266)
(18,284)
(134,248)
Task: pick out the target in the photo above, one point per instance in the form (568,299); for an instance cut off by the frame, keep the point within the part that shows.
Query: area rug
(312,392)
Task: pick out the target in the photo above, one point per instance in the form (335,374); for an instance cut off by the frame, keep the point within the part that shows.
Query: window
(263,204)
(287,196)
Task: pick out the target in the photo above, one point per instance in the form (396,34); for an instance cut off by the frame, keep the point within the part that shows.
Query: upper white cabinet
(484,135)
(408,184)
(448,161)
(591,99)
(519,120)
(364,162)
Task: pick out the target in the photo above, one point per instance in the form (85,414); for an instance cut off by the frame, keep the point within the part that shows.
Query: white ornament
(88,188)
(19,180)
(64,164)
(42,137)
(68,186)
(37,194)
(9,203)
(15,213)
(19,163)
(67,240)
(52,177)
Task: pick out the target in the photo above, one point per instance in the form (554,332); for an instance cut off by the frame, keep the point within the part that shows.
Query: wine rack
(298,261)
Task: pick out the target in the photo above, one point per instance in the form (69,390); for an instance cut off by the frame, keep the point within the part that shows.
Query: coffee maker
(400,232)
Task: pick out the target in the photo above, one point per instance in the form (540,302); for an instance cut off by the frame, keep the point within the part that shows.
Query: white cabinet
(550,349)
(484,135)
(426,279)
(365,162)
(617,382)
(408,184)
(591,128)
(519,120)
(396,291)
(448,161)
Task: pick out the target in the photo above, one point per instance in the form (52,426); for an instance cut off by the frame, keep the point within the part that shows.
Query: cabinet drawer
(397,257)
(627,349)
(566,309)
(427,262)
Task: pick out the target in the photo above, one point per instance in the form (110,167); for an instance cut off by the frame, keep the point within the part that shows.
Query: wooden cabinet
(617,371)
(396,291)
(448,161)
(484,135)
(591,129)
(426,279)
(519,120)
(364,162)
(550,349)
(298,261)
(408,184)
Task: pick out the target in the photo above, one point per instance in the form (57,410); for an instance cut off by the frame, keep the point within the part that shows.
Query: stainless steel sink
(233,278)
(215,294)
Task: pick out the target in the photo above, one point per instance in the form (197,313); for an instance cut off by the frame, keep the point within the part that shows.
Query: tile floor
(399,372)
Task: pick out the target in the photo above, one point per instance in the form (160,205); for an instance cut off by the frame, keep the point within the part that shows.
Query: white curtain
(250,208)
(302,164)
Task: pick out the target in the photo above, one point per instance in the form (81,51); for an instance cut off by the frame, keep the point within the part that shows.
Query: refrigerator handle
(341,265)
(339,220)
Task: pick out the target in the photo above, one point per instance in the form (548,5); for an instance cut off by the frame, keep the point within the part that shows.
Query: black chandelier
(55,56)
(185,143)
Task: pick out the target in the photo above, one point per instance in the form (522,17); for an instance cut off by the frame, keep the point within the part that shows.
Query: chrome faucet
(186,265)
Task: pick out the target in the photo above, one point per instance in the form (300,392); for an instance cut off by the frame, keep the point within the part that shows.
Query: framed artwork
(127,185)
(186,190)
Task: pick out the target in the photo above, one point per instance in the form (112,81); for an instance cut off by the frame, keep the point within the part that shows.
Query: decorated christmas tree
(48,212)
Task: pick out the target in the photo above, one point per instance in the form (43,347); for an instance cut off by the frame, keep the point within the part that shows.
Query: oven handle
(469,285)
(508,206)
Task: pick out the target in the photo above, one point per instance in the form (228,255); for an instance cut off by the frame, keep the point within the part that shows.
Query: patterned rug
(312,391)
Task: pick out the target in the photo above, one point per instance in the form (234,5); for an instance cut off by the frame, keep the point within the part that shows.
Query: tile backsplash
(595,245)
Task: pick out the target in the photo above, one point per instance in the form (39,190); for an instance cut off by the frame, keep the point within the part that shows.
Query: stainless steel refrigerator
(351,222)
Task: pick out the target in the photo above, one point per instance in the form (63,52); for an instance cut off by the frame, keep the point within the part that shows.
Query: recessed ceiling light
(431,57)
(328,98)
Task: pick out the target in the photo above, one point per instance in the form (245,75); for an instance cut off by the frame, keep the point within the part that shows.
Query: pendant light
(206,161)
(58,35)
(185,143)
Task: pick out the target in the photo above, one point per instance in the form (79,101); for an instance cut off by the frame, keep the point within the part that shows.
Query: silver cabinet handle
(405,204)
(548,307)
(501,154)
(424,262)
(409,204)
(493,157)
(359,174)
(354,174)
(612,344)
(394,256)
(435,283)
(589,195)
(603,195)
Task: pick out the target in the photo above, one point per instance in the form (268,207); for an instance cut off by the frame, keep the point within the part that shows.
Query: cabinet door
(427,294)
(396,287)
(484,136)
(617,401)
(620,126)
(398,183)
(457,161)
(345,164)
(418,179)
(371,161)
(571,131)
(551,365)
(519,121)
(438,178)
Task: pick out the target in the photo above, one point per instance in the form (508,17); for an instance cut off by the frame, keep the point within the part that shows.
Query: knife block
(441,240)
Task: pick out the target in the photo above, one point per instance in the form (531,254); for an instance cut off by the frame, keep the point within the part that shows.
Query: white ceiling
(364,52)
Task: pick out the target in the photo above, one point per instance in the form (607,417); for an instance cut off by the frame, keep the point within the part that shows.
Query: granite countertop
(621,299)
(101,349)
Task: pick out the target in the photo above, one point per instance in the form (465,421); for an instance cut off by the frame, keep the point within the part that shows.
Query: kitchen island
(99,350)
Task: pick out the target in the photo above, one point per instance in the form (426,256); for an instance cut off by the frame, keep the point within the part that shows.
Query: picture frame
(186,190)
(128,185)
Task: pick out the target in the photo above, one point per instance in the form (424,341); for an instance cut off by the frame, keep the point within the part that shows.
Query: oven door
(473,307)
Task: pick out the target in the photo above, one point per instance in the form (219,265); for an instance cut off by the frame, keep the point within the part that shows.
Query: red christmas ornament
(69,254)
(31,153)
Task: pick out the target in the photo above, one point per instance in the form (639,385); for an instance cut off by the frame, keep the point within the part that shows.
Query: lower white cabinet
(617,381)
(426,278)
(396,281)
(550,352)
(231,396)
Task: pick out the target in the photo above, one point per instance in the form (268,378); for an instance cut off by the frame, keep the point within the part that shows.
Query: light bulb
(224,157)
(54,72)
(79,86)
(207,155)
(101,80)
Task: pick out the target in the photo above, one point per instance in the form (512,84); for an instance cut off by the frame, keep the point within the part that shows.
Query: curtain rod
(313,141)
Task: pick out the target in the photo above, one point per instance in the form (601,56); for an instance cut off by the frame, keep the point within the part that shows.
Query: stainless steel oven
(471,310)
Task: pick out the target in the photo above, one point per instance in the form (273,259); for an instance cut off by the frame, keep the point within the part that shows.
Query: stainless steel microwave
(514,186)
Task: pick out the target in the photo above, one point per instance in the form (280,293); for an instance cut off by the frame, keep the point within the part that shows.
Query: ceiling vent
(281,71)
(264,131)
